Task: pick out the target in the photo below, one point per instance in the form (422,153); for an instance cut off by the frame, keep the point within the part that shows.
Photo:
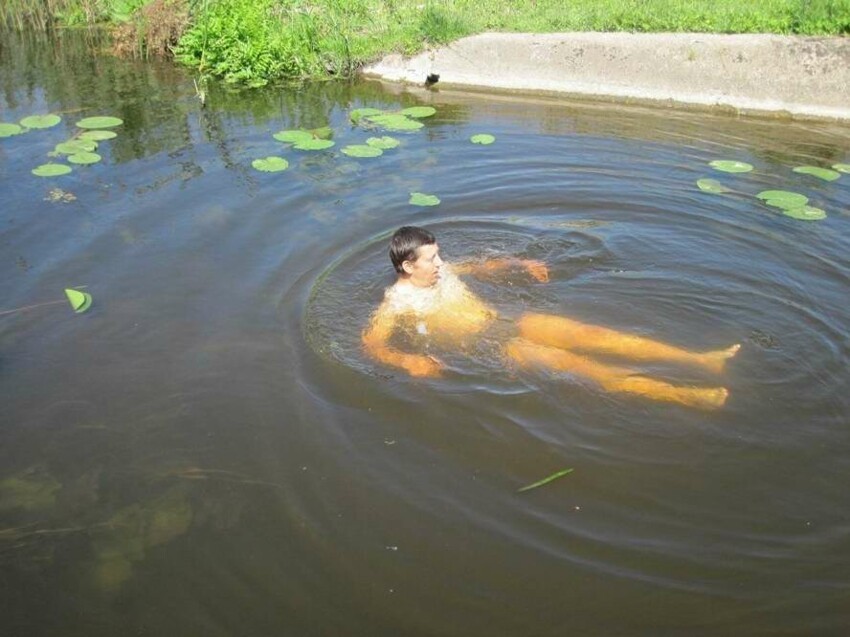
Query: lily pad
(419,111)
(40,121)
(842,168)
(361,150)
(384,143)
(74,146)
(358,113)
(7,130)
(101,121)
(806,213)
(325,132)
(51,170)
(421,199)
(84,158)
(80,301)
(98,135)
(270,164)
(821,173)
(28,490)
(292,136)
(711,185)
(729,166)
(783,199)
(395,122)
(314,144)
(484,139)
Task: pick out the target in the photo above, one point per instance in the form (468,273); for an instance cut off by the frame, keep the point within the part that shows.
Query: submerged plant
(546,480)
(384,143)
(711,185)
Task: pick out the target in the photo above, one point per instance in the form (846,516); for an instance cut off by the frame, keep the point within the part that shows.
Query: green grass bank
(253,42)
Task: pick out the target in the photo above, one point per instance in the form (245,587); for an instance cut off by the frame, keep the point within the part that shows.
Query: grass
(252,42)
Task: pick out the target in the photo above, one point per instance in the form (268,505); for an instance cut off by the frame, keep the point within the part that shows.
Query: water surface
(206,451)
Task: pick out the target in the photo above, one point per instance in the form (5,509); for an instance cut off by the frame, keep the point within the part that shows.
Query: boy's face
(425,270)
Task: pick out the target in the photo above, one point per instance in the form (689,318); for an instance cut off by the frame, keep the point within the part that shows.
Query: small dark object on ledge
(432,79)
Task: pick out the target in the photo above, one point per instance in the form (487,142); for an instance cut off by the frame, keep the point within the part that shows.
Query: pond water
(207,451)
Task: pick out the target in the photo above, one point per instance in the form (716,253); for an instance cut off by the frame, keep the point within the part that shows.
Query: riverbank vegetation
(253,42)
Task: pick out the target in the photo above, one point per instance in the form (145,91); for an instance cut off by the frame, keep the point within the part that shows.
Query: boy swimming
(429,296)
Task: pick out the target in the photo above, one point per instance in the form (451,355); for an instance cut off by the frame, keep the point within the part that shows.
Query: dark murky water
(207,452)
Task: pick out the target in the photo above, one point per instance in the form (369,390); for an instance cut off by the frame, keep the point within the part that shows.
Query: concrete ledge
(800,77)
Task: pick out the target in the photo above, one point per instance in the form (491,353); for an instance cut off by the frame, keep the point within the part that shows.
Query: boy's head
(405,243)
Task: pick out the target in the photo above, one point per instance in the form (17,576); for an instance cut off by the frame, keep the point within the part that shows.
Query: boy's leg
(611,378)
(559,331)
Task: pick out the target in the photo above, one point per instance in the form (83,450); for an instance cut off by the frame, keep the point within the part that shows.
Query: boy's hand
(537,269)
(425,366)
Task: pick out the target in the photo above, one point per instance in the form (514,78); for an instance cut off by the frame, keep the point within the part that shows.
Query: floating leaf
(40,121)
(98,135)
(783,199)
(358,113)
(806,213)
(84,158)
(484,139)
(314,144)
(711,185)
(292,136)
(384,143)
(7,130)
(842,168)
(546,480)
(395,122)
(728,166)
(821,173)
(419,111)
(325,132)
(270,164)
(361,150)
(74,146)
(421,199)
(51,170)
(80,301)
(101,121)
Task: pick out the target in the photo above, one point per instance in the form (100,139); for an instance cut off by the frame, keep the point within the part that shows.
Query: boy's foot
(716,361)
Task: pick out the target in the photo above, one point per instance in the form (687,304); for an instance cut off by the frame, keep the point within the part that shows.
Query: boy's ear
(407,266)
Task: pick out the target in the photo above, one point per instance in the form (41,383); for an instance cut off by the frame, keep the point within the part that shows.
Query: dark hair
(405,242)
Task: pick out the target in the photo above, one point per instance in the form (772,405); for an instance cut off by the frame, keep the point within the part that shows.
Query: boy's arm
(376,336)
(535,268)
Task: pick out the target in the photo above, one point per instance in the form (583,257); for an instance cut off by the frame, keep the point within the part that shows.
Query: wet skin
(553,342)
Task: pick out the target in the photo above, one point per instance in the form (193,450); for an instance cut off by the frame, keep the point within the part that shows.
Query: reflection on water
(207,450)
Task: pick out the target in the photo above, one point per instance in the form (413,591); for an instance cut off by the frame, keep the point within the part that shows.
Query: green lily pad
(51,170)
(395,122)
(40,121)
(419,111)
(729,166)
(421,199)
(292,136)
(361,150)
(325,132)
(358,113)
(806,213)
(101,121)
(98,135)
(270,164)
(842,168)
(29,490)
(7,130)
(74,146)
(821,173)
(314,144)
(783,199)
(711,185)
(384,143)
(80,301)
(84,158)
(484,139)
